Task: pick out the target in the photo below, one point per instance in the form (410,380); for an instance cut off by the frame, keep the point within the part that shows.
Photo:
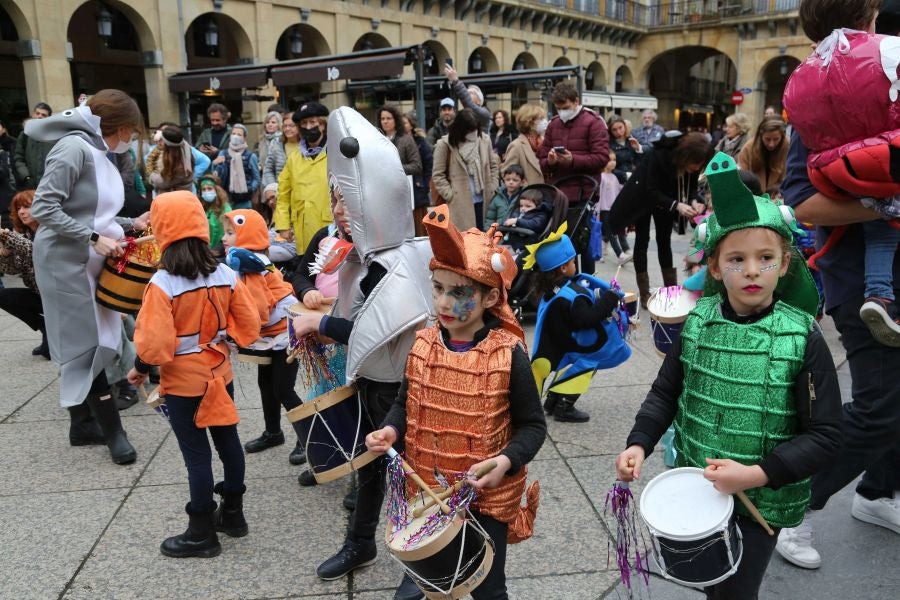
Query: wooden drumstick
(140,240)
(754,511)
(418,480)
(142,393)
(481,472)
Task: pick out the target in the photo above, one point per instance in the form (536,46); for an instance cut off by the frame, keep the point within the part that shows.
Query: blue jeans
(881,245)
(197,454)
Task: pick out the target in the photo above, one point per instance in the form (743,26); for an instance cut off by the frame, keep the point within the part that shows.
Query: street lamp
(783,69)
(211,36)
(367,45)
(477,63)
(519,65)
(104,23)
(296,42)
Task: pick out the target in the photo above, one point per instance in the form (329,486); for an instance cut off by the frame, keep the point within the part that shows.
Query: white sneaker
(884,512)
(795,545)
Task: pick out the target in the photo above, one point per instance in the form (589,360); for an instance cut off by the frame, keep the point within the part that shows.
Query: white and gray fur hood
(78,120)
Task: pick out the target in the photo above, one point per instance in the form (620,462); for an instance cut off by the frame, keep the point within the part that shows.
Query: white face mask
(567,114)
(121,147)
(236,140)
(541,126)
(208,195)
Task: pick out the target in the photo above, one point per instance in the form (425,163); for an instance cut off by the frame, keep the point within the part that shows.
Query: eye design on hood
(239,220)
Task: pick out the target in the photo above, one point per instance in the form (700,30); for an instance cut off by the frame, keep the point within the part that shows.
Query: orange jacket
(272,295)
(182,327)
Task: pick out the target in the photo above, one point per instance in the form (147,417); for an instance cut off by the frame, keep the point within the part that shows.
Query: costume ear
(446,240)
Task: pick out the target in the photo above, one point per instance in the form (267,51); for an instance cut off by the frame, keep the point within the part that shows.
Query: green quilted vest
(738,398)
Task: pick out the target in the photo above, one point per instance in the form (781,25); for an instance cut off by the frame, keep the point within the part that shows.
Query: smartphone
(449,62)
(559,149)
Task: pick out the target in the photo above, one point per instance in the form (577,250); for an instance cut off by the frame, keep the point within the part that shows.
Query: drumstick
(481,472)
(140,240)
(418,480)
(142,393)
(616,276)
(753,511)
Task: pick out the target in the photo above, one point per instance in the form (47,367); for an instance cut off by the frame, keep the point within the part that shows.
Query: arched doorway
(595,77)
(215,40)
(520,93)
(624,80)
(436,56)
(300,41)
(774,77)
(482,60)
(106,51)
(524,60)
(13,95)
(562,61)
(371,41)
(693,86)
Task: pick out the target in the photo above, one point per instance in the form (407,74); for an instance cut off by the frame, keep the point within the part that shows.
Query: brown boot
(643,283)
(670,276)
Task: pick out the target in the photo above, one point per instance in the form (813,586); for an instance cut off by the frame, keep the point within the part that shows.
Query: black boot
(230,514)
(566,412)
(353,555)
(550,402)
(643,283)
(350,499)
(264,442)
(199,539)
(298,454)
(104,409)
(126,395)
(83,429)
(307,479)
(44,348)
(670,276)
(408,589)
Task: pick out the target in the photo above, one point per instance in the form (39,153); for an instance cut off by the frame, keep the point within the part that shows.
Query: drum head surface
(671,305)
(680,504)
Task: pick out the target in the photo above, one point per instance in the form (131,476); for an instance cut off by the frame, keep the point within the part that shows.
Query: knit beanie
(176,216)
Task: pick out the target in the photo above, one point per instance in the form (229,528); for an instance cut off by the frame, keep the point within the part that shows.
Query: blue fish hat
(552,252)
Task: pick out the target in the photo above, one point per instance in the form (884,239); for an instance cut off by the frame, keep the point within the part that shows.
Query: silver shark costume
(81,192)
(366,168)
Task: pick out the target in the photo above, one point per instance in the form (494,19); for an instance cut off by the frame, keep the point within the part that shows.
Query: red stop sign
(737,97)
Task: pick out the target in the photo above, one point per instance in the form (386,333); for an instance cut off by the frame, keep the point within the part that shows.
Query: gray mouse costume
(81,192)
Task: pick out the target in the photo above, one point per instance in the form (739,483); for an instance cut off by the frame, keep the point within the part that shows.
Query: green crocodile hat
(737,208)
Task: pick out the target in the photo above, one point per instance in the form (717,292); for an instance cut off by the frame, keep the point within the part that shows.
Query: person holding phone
(471,97)
(217,135)
(576,143)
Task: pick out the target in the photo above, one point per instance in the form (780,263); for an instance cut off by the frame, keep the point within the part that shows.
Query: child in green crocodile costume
(750,385)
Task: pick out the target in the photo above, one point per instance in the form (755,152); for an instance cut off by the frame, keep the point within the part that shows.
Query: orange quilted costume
(458,409)
(269,289)
(183,322)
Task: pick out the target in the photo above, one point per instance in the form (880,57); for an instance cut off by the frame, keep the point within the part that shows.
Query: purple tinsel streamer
(621,313)
(396,505)
(631,548)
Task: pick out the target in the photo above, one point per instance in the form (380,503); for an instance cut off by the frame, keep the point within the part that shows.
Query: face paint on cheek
(771,267)
(465,302)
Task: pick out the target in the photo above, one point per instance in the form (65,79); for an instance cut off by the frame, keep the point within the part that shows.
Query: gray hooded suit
(81,192)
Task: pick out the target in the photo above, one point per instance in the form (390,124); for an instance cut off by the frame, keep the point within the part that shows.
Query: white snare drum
(695,540)
(669,308)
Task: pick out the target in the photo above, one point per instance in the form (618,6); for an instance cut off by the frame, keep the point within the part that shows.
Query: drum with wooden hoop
(123,292)
(669,308)
(449,562)
(695,540)
(157,403)
(255,356)
(333,430)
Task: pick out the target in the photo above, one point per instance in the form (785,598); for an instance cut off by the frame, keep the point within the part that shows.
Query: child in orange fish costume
(245,229)
(468,396)
(190,305)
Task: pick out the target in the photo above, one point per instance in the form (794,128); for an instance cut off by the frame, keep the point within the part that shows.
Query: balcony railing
(659,13)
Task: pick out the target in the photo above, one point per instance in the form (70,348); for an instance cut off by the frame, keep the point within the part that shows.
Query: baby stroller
(519,296)
(578,217)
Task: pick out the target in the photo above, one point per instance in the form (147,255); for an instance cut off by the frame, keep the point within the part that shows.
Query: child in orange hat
(190,305)
(468,396)
(246,242)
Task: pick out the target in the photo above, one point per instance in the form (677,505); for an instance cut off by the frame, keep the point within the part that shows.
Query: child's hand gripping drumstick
(754,511)
(482,471)
(381,441)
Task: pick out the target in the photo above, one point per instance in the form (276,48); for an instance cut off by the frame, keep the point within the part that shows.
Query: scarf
(237,182)
(534,140)
(470,155)
(311,152)
(732,147)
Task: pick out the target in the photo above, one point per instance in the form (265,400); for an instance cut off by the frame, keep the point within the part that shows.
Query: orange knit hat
(176,216)
(476,255)
(250,229)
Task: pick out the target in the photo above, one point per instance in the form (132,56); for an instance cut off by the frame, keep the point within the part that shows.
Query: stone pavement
(75,526)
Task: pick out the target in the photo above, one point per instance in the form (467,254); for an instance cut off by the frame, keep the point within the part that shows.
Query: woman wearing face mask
(173,165)
(531,120)
(238,169)
(286,143)
(215,203)
(304,205)
(271,132)
(76,203)
(766,155)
